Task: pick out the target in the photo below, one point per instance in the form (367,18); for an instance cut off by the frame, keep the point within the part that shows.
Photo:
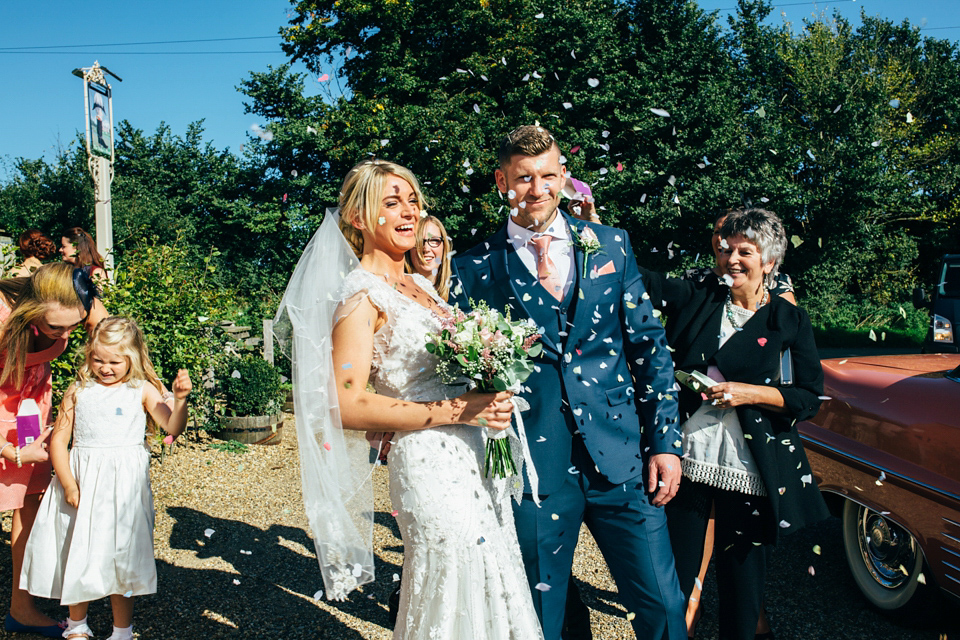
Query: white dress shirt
(560,248)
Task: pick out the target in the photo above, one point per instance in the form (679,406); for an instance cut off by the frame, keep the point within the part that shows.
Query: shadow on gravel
(278,579)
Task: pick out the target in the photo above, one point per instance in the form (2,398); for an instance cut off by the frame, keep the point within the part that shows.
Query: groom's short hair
(528,140)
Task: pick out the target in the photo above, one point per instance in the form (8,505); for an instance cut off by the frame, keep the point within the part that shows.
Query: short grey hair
(764,229)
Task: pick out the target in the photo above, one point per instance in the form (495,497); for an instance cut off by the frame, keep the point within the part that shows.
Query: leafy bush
(250,386)
(176,304)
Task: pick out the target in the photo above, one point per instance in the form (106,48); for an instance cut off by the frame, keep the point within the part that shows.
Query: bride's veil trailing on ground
(334,462)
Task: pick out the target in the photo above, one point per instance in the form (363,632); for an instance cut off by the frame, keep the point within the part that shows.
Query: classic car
(885,451)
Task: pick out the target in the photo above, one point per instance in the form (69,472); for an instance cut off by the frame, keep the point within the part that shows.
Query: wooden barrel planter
(252,429)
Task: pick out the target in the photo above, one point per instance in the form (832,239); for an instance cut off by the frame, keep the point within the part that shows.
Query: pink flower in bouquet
(485,336)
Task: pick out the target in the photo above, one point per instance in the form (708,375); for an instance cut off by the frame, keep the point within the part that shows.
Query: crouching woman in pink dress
(37,315)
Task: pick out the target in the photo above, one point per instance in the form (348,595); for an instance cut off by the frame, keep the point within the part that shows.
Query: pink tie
(547,272)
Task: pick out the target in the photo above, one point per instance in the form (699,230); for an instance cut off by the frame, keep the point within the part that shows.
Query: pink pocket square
(606,269)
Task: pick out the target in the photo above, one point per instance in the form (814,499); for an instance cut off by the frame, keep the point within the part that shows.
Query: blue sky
(43,103)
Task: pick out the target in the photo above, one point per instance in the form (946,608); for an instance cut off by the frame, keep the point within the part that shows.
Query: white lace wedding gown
(463,577)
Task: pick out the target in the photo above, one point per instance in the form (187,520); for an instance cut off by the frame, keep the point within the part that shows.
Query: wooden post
(268,340)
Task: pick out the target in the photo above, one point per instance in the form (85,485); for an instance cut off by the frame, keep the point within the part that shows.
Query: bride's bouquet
(494,352)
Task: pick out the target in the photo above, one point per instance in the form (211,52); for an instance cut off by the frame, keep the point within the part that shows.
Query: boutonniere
(587,242)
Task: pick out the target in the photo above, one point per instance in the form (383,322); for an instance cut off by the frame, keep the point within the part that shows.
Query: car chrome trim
(950,551)
(956,524)
(886,470)
(947,535)
(949,577)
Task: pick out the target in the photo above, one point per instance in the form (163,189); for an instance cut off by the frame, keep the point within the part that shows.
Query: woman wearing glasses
(430,258)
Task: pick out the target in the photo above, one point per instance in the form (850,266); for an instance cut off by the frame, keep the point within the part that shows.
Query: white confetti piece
(593,82)
(663,113)
(318,595)
(235,581)
(128,594)
(812,157)
(784,524)
(208,532)
(235,374)
(539,15)
(567,105)
(542,586)
(476,108)
(811,570)
(895,103)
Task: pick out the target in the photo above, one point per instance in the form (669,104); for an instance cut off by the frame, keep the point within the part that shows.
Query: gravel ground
(255,575)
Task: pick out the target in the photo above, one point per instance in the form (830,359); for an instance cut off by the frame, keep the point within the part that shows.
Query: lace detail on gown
(462,572)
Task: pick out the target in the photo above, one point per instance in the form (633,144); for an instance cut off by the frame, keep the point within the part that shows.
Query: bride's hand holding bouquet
(493,352)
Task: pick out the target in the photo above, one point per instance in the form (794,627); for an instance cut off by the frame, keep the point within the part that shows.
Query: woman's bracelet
(4,448)
(16,450)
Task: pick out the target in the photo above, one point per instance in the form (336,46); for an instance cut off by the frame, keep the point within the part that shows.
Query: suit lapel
(500,253)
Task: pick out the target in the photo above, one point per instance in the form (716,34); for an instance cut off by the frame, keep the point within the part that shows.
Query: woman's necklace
(728,307)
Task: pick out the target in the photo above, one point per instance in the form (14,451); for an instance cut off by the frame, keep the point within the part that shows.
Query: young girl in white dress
(98,511)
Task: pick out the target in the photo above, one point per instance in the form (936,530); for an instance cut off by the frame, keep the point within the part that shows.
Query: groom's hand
(663,477)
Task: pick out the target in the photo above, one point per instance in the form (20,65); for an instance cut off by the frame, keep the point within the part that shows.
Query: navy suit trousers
(630,532)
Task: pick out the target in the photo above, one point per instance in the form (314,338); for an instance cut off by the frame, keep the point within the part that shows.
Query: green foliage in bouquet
(485,347)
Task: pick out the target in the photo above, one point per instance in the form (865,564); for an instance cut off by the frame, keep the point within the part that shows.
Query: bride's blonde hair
(362,193)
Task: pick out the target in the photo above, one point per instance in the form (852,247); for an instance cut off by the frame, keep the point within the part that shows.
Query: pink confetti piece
(394,513)
(762,341)
(619,166)
(326,445)
(168,439)
(811,570)
(284,197)
(575,149)
(323,78)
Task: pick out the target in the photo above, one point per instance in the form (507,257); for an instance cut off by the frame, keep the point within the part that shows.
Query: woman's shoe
(49,631)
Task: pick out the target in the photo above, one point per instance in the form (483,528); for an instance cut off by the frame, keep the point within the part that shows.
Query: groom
(602,426)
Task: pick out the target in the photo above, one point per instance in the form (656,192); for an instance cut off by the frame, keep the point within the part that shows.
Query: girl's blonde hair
(125,337)
(441,281)
(362,193)
(29,299)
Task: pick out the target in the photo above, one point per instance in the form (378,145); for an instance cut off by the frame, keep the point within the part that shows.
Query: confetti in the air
(593,82)
(663,113)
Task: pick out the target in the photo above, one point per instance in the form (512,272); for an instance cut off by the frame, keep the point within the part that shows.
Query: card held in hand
(695,380)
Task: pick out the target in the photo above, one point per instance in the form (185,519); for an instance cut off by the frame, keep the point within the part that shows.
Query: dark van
(944,307)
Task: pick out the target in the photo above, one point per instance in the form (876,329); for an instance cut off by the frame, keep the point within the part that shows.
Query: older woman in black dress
(742,453)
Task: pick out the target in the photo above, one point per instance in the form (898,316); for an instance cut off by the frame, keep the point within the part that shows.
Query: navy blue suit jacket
(605,370)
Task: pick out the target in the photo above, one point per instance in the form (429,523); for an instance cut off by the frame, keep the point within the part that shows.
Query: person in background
(782,285)
(78,248)
(431,257)
(743,459)
(36,247)
(38,313)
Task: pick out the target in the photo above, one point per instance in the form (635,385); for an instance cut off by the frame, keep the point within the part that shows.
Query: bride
(359,324)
